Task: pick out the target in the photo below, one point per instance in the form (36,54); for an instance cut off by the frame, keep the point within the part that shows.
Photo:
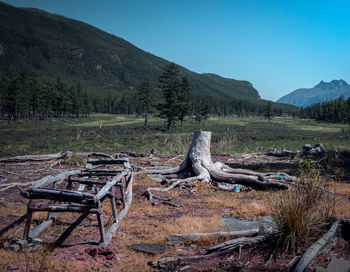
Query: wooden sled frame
(80,201)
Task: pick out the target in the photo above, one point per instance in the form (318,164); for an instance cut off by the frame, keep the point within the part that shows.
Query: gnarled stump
(198,165)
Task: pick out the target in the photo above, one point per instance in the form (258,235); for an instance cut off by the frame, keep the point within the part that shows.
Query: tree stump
(199,166)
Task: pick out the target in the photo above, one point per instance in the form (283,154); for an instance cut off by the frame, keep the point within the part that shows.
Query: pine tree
(202,113)
(145,98)
(170,84)
(269,111)
(184,100)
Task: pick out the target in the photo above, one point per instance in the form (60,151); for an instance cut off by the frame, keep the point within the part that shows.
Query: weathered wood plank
(315,249)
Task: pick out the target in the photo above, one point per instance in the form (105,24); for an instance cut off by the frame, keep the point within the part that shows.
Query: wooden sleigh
(84,192)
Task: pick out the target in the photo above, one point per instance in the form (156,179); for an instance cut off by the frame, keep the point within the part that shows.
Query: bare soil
(200,210)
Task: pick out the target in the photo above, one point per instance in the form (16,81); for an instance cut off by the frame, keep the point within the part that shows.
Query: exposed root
(176,182)
(198,165)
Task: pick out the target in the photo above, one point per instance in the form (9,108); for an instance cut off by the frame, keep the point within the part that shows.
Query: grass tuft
(302,213)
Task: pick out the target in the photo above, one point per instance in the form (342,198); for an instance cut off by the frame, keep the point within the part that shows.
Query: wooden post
(101,227)
(28,222)
(114,207)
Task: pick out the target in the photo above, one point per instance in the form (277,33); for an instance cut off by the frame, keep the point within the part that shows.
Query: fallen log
(263,234)
(45,157)
(197,236)
(55,156)
(316,248)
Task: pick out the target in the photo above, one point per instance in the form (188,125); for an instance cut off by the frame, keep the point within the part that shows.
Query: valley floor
(200,210)
(116,133)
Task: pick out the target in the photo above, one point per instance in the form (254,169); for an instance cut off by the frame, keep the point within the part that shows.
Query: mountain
(322,92)
(56,46)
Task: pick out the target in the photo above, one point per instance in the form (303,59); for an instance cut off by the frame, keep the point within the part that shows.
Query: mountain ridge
(57,46)
(321,92)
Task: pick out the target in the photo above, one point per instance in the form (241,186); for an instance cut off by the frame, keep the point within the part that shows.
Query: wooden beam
(50,179)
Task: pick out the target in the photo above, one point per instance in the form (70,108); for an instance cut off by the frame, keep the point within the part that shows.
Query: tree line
(336,111)
(24,95)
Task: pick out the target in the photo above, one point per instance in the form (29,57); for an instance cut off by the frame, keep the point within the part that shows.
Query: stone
(336,265)
(148,248)
(234,223)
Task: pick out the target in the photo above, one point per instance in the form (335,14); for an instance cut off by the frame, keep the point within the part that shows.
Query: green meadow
(116,133)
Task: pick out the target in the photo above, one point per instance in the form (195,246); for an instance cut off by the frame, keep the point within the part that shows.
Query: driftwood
(197,236)
(263,234)
(55,156)
(169,263)
(46,157)
(40,183)
(316,248)
(198,166)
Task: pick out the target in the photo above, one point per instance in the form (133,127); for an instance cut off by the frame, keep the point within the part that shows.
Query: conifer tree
(184,100)
(269,111)
(170,84)
(145,98)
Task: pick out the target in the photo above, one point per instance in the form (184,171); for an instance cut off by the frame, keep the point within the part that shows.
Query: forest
(336,111)
(25,95)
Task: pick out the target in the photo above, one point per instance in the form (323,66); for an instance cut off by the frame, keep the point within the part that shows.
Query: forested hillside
(107,67)
(336,111)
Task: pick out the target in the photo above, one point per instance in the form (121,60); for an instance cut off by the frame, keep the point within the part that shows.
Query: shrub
(301,214)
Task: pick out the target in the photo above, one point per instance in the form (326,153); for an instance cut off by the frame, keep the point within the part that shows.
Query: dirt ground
(200,209)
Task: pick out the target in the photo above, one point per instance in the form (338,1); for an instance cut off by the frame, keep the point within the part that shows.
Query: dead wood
(197,236)
(169,263)
(55,156)
(232,244)
(316,248)
(46,157)
(198,166)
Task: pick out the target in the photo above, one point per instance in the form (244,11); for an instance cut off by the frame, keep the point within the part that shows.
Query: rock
(148,248)
(307,147)
(234,223)
(336,265)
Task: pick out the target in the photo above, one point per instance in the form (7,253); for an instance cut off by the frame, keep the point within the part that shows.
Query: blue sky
(278,46)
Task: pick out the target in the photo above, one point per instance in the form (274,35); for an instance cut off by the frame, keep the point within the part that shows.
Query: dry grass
(301,214)
(37,261)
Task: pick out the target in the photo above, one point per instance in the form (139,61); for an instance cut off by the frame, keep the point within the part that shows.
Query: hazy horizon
(277,46)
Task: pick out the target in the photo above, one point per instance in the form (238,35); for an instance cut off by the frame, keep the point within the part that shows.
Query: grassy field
(115,133)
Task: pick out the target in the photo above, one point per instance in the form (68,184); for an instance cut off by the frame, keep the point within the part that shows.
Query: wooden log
(110,161)
(50,179)
(112,229)
(87,180)
(316,248)
(66,208)
(46,157)
(13,224)
(110,184)
(60,195)
(196,236)
(232,244)
(90,181)
(100,173)
(69,230)
(43,226)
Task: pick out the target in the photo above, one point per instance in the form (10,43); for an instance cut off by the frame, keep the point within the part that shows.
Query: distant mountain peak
(334,84)
(322,92)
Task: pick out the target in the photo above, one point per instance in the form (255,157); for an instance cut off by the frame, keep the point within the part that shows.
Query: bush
(302,213)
